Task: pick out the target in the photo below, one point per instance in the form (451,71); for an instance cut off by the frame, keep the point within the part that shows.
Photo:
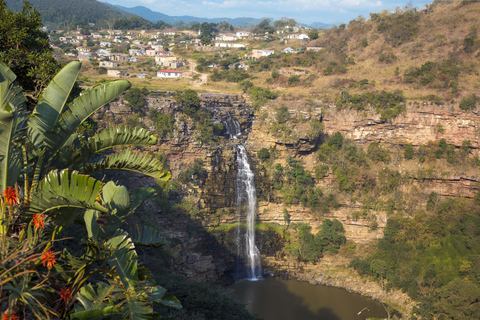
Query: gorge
(213,201)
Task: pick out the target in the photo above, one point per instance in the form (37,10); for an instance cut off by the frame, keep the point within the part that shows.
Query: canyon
(207,252)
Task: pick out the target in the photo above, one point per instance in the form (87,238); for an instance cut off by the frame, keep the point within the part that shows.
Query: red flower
(10,196)
(8,316)
(65,295)
(48,258)
(38,220)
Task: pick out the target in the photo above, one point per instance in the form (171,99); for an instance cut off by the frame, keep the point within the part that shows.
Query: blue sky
(305,11)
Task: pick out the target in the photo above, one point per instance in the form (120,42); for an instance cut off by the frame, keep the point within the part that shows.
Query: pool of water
(277,299)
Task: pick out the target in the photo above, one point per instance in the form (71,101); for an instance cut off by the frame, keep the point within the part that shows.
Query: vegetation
(25,49)
(37,277)
(309,247)
(430,257)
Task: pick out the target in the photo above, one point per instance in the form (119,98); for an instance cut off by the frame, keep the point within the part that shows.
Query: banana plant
(30,144)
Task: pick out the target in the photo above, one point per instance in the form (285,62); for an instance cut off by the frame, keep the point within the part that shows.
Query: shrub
(263,154)
(408,151)
(469,102)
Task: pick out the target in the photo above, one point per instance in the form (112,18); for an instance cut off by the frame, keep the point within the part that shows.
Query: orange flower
(8,316)
(48,258)
(65,295)
(10,196)
(38,220)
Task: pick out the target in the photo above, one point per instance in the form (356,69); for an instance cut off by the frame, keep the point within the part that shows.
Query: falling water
(246,197)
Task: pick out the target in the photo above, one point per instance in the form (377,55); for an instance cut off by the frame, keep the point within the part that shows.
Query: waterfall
(246,197)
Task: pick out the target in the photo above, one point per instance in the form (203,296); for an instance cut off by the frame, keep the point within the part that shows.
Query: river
(276,299)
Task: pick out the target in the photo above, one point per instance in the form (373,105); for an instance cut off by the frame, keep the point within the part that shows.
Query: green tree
(408,151)
(25,49)
(313,34)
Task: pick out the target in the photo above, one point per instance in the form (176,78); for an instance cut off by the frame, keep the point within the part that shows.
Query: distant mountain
(320,25)
(60,13)
(154,16)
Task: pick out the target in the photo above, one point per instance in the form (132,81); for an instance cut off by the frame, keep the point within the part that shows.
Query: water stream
(246,200)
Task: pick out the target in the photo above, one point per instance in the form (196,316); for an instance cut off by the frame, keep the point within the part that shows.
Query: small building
(123,57)
(168,73)
(229,45)
(105,44)
(288,50)
(261,53)
(172,64)
(150,52)
(134,59)
(116,73)
(143,75)
(314,48)
(108,64)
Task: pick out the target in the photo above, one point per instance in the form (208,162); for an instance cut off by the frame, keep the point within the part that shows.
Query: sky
(304,11)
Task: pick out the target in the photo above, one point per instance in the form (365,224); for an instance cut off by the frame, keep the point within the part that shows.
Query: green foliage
(193,172)
(230,75)
(245,85)
(163,123)
(435,74)
(312,34)
(261,95)
(282,115)
(136,22)
(378,154)
(408,151)
(25,49)
(297,187)
(469,102)
(398,27)
(293,79)
(388,104)
(311,247)
(136,98)
(263,154)
(434,258)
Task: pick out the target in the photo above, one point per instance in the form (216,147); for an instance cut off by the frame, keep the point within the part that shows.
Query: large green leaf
(79,110)
(94,301)
(136,307)
(52,102)
(123,258)
(64,190)
(140,195)
(131,161)
(148,237)
(12,120)
(118,136)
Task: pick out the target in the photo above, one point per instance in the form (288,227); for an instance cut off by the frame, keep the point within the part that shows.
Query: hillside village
(114,53)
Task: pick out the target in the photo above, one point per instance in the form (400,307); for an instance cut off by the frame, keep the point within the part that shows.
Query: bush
(282,114)
(263,154)
(408,151)
(376,153)
(469,102)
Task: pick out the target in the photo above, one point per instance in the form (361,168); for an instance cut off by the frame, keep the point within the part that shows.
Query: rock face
(209,255)
(420,124)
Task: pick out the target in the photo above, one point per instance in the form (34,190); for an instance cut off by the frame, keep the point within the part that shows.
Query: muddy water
(276,299)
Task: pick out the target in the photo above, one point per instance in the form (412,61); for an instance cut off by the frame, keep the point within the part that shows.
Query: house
(134,59)
(242,34)
(314,48)
(143,75)
(116,73)
(288,50)
(226,37)
(123,57)
(65,39)
(298,36)
(133,51)
(96,35)
(103,52)
(83,49)
(172,64)
(167,73)
(108,64)
(105,44)
(150,52)
(229,45)
(261,53)
(162,57)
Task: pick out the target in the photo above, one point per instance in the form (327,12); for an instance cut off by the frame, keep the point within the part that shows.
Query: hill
(154,16)
(61,13)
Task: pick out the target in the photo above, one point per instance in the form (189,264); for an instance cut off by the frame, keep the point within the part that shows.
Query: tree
(25,49)
(245,85)
(264,27)
(313,34)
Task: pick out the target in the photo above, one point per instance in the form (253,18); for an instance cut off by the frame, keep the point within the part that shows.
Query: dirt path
(203,76)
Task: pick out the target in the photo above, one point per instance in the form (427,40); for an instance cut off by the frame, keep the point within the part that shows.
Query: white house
(116,73)
(261,53)
(108,64)
(105,44)
(229,45)
(168,73)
